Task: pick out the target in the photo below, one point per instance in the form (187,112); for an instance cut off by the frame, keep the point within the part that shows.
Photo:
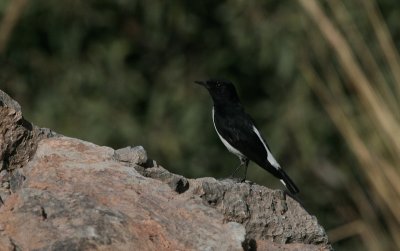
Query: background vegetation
(321,78)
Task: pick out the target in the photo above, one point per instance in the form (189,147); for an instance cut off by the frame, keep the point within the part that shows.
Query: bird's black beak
(200,83)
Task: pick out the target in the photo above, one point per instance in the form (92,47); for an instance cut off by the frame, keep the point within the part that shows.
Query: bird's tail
(289,184)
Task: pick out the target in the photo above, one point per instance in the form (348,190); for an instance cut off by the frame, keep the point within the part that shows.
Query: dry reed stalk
(382,174)
(9,21)
(385,40)
(389,173)
(374,235)
(363,52)
(358,80)
(368,163)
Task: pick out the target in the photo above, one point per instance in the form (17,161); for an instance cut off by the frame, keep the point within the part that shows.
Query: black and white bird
(238,133)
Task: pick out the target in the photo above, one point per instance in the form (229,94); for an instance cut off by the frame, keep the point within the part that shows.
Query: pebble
(6,184)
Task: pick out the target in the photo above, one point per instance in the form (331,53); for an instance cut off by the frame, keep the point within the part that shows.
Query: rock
(132,155)
(7,101)
(18,142)
(177,182)
(18,137)
(77,197)
(266,214)
(67,194)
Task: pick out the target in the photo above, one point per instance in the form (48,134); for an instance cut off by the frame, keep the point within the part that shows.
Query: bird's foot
(236,179)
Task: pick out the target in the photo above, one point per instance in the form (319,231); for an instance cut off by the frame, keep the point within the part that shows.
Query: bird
(238,133)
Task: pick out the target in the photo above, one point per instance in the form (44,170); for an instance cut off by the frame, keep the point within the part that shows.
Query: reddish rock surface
(61,193)
(76,196)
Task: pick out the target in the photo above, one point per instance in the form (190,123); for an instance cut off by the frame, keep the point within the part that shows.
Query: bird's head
(220,90)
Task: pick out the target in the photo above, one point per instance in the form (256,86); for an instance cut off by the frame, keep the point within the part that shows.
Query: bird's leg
(237,168)
(243,162)
(246,164)
(235,171)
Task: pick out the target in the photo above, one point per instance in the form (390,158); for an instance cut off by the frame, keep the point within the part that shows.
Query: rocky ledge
(61,193)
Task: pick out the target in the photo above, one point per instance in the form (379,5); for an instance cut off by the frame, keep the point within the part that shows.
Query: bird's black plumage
(237,131)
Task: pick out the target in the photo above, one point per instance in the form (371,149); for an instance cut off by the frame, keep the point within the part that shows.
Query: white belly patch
(226,143)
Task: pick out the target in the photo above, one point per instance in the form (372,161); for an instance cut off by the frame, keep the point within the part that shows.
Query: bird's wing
(244,136)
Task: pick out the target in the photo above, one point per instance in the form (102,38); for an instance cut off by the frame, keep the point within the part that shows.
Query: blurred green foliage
(121,73)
